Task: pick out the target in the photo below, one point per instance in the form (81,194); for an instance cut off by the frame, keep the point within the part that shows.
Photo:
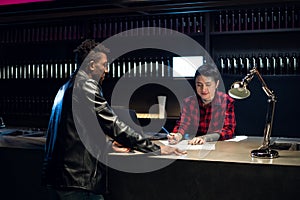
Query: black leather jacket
(71,163)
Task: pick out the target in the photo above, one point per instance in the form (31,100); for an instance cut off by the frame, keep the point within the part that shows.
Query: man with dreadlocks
(69,166)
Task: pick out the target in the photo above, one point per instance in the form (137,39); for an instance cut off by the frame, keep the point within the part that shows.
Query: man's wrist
(179,136)
(211,137)
(203,138)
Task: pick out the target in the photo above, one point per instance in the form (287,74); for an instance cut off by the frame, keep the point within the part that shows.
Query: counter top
(231,152)
(224,151)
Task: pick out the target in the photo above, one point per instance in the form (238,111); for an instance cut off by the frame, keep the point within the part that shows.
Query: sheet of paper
(287,140)
(183,145)
(237,138)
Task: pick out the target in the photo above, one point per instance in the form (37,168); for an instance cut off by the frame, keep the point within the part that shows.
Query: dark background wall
(27,101)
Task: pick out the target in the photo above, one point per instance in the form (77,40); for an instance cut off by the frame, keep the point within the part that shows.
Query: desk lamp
(239,91)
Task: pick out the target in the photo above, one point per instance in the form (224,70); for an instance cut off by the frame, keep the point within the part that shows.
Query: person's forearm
(113,127)
(211,137)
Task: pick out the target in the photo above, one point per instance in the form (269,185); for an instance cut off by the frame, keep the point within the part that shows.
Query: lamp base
(264,153)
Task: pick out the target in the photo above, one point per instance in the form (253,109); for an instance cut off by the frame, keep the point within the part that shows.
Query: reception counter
(226,172)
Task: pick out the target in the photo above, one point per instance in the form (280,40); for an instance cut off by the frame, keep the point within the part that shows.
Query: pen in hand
(170,136)
(167,132)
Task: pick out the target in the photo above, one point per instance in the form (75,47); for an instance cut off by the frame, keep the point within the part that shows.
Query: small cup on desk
(161,106)
(2,125)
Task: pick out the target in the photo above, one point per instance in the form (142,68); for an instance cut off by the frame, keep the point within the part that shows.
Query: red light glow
(9,2)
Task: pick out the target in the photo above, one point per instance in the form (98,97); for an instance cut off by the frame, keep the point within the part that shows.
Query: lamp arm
(265,88)
(270,111)
(249,76)
(269,123)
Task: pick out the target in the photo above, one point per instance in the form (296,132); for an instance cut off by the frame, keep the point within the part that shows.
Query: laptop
(129,117)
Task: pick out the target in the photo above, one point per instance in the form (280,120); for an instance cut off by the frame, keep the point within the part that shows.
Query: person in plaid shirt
(208,115)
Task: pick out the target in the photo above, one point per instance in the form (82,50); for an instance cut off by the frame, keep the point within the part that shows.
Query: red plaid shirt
(216,117)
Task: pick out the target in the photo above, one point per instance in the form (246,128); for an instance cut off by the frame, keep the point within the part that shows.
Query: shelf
(262,31)
(44,38)
(148,115)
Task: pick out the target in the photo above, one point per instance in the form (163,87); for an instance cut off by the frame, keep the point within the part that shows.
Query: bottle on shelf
(228,65)
(188,24)
(124,68)
(169,70)
(140,68)
(227,21)
(145,67)
(240,20)
(233,21)
(287,61)
(222,65)
(156,69)
(273,19)
(247,64)
(163,67)
(235,66)
(113,69)
(253,60)
(129,67)
(295,63)
(221,22)
(118,69)
(260,19)
(287,18)
(241,64)
(253,20)
(267,19)
(282,64)
(268,68)
(274,64)
(198,24)
(151,67)
(247,20)
(261,64)
(278,17)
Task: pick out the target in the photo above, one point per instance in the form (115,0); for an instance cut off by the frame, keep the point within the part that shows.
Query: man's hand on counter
(166,150)
(117,147)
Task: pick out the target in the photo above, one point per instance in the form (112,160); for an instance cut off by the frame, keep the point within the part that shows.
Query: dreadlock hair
(87,51)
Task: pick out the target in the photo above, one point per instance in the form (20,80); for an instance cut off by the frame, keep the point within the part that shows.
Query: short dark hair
(208,70)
